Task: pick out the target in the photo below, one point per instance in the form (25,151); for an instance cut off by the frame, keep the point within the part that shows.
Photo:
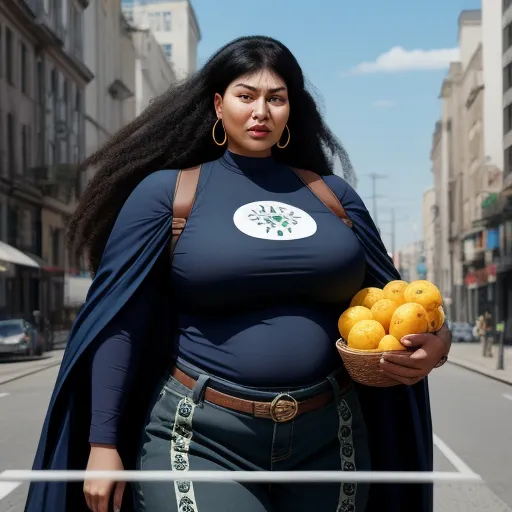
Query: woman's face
(254,111)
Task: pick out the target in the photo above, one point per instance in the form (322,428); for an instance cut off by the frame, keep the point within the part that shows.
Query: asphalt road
(472,419)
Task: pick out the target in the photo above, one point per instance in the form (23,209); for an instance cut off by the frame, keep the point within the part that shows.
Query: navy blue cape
(398,418)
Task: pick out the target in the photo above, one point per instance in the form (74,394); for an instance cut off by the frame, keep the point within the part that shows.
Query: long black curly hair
(175,132)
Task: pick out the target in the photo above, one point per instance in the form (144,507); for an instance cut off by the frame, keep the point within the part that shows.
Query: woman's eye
(244,97)
(276,99)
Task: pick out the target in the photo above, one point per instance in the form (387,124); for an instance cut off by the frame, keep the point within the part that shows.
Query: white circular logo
(272,220)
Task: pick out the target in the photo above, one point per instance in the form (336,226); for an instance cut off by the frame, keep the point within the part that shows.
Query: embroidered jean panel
(348,491)
(180,446)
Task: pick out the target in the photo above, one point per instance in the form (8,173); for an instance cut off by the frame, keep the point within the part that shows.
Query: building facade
(498,210)
(444,155)
(42,82)
(429,215)
(110,54)
(154,74)
(175,26)
(467,157)
(110,101)
(493,74)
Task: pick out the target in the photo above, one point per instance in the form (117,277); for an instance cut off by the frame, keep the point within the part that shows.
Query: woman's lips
(259,134)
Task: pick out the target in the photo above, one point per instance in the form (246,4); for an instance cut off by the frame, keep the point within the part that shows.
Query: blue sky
(382,103)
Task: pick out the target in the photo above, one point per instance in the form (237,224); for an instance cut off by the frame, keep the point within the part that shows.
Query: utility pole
(393,233)
(374,177)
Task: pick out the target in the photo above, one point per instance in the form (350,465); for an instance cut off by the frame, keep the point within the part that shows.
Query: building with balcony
(466,169)
(499,211)
(42,82)
(175,26)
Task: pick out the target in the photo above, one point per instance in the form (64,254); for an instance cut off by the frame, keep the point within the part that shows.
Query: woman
(214,349)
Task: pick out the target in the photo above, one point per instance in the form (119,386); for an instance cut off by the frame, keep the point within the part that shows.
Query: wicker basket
(363,365)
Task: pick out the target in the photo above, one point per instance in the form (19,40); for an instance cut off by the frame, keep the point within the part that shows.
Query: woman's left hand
(428,348)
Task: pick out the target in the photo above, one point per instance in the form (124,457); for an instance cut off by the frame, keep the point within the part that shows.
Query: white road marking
(507,396)
(3,394)
(452,457)
(7,487)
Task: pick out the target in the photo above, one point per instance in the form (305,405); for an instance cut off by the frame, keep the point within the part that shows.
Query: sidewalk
(469,356)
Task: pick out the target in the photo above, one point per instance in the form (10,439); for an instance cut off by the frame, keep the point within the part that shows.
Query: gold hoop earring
(287,142)
(213,134)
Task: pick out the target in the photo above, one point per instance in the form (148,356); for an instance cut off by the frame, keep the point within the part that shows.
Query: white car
(17,336)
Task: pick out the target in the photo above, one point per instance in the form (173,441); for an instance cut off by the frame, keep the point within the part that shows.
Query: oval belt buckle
(283,408)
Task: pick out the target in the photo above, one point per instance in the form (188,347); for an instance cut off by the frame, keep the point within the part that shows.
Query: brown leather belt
(282,409)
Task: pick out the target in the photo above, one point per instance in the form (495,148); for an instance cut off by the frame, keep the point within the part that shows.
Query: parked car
(462,332)
(17,336)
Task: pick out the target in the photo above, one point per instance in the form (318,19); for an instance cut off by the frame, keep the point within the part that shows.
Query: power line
(393,221)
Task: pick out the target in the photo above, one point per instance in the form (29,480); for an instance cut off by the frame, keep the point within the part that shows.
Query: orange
(435,319)
(367,297)
(390,343)
(365,335)
(350,317)
(382,311)
(394,291)
(409,318)
(425,293)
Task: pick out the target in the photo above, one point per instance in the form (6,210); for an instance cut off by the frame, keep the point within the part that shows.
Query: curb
(14,377)
(485,373)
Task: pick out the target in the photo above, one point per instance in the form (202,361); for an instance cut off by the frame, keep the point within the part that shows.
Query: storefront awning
(10,254)
(42,263)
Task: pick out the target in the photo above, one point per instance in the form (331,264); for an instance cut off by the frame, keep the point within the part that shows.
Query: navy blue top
(260,276)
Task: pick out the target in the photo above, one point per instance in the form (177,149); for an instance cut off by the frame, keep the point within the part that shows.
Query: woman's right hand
(98,492)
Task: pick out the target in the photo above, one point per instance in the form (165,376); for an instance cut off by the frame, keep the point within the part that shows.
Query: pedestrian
(487,332)
(207,341)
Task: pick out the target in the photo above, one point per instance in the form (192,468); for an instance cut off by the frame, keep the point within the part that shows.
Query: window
(65,99)
(25,148)
(11,145)
(75,31)
(9,60)
(508,161)
(12,224)
(507,37)
(24,69)
(50,157)
(78,114)
(55,88)
(40,87)
(1,51)
(507,119)
(155,21)
(26,226)
(507,77)
(2,147)
(167,50)
(56,247)
(167,21)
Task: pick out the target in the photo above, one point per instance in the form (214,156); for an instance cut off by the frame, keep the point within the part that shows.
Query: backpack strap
(183,201)
(321,190)
(186,186)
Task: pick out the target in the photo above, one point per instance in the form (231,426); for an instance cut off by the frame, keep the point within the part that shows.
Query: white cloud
(383,104)
(399,59)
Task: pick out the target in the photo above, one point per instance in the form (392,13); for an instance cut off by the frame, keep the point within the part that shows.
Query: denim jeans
(184,432)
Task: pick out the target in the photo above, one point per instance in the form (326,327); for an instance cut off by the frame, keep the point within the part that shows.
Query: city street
(472,418)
